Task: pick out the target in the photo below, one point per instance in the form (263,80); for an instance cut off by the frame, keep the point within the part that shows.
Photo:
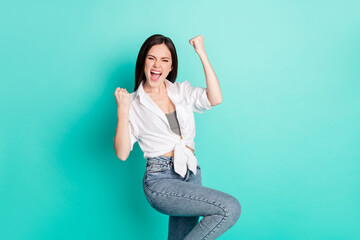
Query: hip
(161,168)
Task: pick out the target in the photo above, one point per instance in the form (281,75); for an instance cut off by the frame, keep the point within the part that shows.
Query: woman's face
(158,64)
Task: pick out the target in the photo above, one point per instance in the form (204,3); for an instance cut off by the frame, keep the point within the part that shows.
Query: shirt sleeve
(197,97)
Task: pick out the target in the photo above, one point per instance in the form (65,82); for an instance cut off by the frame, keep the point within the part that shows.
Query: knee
(233,210)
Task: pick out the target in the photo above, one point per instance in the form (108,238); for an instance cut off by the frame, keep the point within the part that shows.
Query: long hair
(140,62)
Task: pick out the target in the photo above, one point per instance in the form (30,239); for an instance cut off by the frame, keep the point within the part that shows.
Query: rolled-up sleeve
(196,96)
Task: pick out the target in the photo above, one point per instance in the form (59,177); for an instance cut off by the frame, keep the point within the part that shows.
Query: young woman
(159,114)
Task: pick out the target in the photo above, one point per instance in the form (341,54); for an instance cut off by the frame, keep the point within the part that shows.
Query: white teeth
(156,72)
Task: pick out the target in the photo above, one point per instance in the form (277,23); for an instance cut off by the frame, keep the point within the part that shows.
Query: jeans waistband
(165,160)
(160,159)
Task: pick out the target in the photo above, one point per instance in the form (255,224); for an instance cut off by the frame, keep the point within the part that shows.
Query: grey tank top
(173,122)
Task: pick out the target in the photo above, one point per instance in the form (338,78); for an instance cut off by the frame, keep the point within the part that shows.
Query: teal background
(285,141)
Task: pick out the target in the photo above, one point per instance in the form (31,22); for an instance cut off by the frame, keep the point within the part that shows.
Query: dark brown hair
(140,62)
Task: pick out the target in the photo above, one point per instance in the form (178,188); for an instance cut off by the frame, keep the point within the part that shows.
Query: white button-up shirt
(149,126)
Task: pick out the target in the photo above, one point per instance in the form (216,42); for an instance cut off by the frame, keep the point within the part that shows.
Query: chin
(155,84)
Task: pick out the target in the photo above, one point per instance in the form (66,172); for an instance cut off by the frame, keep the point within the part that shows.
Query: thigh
(181,198)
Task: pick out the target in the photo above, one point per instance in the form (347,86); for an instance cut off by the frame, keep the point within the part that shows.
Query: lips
(155,72)
(155,75)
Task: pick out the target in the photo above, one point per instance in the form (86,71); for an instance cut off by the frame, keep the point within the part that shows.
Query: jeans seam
(205,200)
(217,225)
(172,227)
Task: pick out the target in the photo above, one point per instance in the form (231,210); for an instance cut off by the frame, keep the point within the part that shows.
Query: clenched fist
(122,100)
(198,44)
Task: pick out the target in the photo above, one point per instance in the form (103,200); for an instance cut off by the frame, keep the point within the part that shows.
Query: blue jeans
(184,199)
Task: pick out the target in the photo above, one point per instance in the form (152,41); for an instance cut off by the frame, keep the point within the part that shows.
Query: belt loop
(187,175)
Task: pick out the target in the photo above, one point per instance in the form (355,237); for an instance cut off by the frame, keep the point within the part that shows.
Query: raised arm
(212,83)
(122,139)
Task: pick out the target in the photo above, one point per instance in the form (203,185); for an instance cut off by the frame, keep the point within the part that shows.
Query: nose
(156,63)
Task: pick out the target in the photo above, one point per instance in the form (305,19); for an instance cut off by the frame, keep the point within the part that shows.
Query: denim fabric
(184,199)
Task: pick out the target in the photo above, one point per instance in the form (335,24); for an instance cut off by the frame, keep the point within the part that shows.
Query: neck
(155,90)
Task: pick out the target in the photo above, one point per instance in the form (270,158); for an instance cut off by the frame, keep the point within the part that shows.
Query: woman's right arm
(122,142)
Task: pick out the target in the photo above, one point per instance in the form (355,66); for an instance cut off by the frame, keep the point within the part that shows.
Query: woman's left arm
(212,83)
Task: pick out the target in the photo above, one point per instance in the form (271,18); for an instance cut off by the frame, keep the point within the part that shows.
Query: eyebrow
(155,57)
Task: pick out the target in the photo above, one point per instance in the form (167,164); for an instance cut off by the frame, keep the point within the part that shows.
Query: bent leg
(220,210)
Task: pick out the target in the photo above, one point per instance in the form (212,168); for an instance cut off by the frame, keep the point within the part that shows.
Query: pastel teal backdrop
(285,140)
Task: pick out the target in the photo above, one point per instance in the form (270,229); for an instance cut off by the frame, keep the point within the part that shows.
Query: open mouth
(155,75)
